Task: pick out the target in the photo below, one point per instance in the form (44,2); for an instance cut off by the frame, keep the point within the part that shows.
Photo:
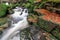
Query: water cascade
(18,22)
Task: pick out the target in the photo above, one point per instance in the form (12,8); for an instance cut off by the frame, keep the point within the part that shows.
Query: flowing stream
(18,22)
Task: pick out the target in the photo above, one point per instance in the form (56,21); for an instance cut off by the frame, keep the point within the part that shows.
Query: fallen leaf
(33,19)
(36,1)
(49,16)
(42,11)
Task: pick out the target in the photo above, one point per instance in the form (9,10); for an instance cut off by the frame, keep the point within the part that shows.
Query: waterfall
(18,22)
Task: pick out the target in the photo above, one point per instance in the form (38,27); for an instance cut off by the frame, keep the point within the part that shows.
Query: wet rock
(32,33)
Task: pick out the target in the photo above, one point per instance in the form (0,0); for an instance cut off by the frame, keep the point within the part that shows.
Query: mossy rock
(46,25)
(3,21)
(3,9)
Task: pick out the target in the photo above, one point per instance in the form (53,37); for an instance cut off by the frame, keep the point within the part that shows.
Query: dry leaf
(32,19)
(53,17)
(36,1)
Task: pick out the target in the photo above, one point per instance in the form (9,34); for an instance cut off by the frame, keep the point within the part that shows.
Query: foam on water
(19,22)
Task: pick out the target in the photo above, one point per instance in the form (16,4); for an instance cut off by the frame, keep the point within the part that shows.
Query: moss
(3,9)
(56,33)
(46,25)
(3,21)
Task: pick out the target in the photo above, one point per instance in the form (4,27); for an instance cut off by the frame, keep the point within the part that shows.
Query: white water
(21,23)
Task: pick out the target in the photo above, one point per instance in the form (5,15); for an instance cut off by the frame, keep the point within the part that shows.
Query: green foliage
(3,9)
(52,37)
(56,33)
(26,5)
(12,6)
(32,1)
